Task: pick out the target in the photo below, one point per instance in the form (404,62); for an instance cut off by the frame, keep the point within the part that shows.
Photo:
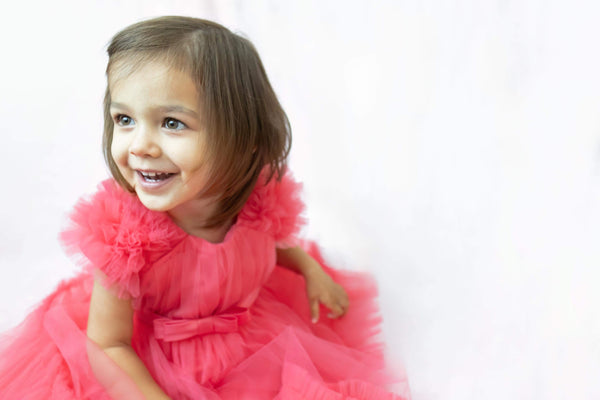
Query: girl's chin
(153,204)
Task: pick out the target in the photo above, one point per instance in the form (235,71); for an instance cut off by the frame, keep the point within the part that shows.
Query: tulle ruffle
(118,236)
(275,209)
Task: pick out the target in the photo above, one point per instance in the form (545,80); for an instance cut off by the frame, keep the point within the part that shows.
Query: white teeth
(155,176)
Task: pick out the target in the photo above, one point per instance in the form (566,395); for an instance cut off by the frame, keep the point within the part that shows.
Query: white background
(450,148)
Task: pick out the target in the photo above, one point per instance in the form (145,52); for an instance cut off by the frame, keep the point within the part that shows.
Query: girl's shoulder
(275,207)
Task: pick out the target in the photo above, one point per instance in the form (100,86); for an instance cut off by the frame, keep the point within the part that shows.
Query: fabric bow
(171,330)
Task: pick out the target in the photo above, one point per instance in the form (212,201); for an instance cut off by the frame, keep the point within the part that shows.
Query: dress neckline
(230,232)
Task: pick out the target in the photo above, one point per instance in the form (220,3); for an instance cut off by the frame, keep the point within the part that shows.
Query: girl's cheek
(192,155)
(119,151)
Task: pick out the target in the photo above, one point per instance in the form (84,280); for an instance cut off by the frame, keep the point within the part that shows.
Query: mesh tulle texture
(212,321)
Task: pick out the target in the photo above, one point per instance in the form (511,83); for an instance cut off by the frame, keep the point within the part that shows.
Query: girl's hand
(321,289)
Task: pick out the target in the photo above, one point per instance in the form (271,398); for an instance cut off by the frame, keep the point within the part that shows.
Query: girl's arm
(320,288)
(110,325)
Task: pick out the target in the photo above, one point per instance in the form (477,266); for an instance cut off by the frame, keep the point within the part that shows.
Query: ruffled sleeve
(117,235)
(275,208)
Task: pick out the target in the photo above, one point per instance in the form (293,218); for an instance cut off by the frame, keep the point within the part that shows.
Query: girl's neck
(192,219)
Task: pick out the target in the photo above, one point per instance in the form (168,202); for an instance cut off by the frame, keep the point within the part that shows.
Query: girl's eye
(123,120)
(173,124)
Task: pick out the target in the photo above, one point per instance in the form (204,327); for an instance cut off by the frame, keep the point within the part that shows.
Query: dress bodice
(165,270)
(198,278)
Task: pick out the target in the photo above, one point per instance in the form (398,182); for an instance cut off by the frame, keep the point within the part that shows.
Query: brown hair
(247,129)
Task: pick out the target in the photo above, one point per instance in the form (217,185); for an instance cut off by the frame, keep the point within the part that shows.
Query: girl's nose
(144,144)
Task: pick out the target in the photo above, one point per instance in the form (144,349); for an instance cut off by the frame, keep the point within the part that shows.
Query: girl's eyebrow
(114,104)
(180,109)
(164,109)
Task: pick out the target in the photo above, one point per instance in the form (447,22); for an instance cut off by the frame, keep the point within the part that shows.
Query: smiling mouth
(154,177)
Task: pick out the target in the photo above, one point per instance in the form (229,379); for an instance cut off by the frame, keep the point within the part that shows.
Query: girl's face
(159,144)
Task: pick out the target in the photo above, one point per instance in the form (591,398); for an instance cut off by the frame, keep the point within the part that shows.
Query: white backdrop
(450,148)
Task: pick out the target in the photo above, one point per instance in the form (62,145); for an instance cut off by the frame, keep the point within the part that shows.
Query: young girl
(195,285)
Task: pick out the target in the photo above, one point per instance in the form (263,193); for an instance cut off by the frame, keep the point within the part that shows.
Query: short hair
(247,129)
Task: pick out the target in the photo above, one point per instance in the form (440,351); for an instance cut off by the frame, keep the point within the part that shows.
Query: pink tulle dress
(211,321)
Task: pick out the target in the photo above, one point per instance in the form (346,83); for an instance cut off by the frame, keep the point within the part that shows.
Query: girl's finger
(345,302)
(342,299)
(314,311)
(336,311)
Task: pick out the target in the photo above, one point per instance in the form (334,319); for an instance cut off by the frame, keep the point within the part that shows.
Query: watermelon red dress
(211,321)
